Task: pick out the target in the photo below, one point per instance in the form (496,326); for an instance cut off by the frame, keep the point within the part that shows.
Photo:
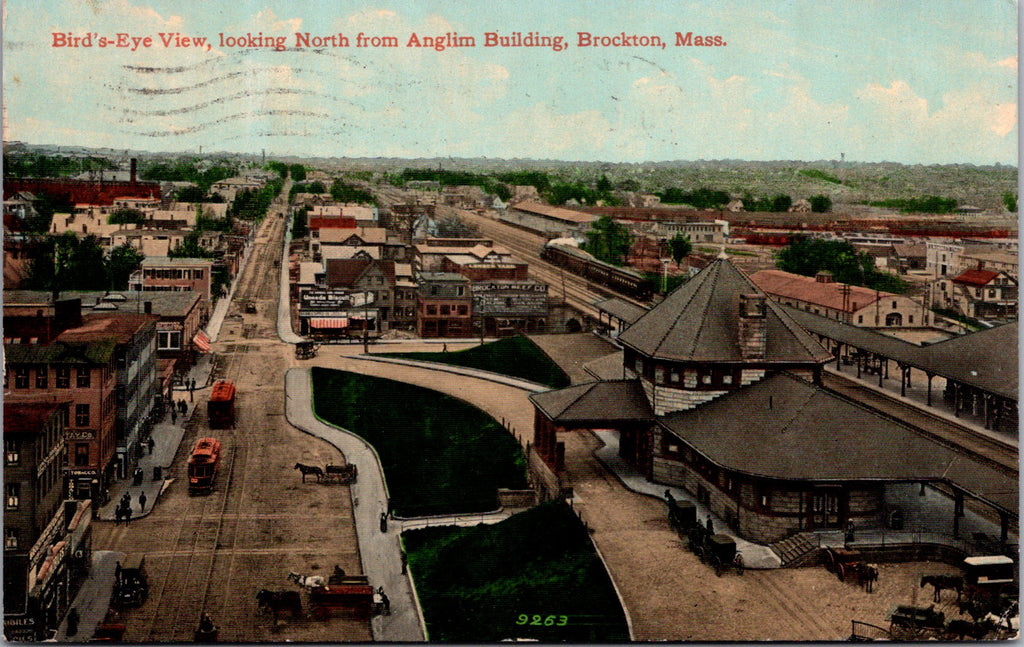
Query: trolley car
(203,465)
(221,407)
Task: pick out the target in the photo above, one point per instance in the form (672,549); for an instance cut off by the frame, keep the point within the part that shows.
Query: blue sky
(914,81)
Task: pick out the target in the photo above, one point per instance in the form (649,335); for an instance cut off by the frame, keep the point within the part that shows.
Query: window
(446,309)
(463,310)
(82,415)
(168,340)
(12,451)
(765,500)
(991,294)
(460,290)
(727,378)
(860,319)
(659,374)
(198,274)
(893,305)
(674,375)
(705,379)
(83,379)
(81,454)
(42,377)
(911,319)
(13,495)
(10,539)
(431,310)
(21,377)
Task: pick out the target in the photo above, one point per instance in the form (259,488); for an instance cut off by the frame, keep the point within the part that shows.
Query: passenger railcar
(621,279)
(221,407)
(203,465)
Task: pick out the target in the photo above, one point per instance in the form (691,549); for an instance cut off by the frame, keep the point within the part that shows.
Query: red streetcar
(203,465)
(221,408)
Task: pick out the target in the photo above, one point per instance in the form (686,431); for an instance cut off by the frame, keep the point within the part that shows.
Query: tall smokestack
(134,164)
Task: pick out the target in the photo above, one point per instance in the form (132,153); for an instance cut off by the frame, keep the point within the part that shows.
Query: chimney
(147,307)
(981,265)
(753,336)
(134,166)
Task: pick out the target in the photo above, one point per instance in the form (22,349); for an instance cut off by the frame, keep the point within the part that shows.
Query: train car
(203,465)
(221,407)
(621,279)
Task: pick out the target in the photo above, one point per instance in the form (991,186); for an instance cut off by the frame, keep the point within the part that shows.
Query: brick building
(445,305)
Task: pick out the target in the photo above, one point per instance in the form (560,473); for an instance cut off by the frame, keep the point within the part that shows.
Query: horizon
(793,81)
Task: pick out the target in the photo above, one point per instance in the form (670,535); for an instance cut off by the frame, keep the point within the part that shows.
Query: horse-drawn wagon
(350,595)
(305,350)
(916,623)
(343,474)
(131,587)
(722,554)
(841,561)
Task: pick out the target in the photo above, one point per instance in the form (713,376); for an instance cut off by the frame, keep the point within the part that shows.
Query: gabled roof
(611,401)
(809,290)
(699,321)
(346,272)
(976,277)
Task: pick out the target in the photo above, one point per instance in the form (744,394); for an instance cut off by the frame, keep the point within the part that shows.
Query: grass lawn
(491,582)
(440,455)
(512,356)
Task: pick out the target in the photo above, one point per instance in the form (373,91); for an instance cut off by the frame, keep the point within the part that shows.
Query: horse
(941,582)
(961,629)
(307,581)
(867,575)
(309,469)
(275,601)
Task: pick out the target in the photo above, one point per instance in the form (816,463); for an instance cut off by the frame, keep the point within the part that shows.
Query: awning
(202,342)
(329,322)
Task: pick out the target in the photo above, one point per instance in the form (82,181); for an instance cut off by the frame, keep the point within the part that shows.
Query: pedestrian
(142,502)
(128,515)
(191,390)
(174,415)
(711,526)
(117,571)
(151,444)
(386,602)
(444,348)
(73,619)
(383,522)
(192,385)
(182,407)
(405,563)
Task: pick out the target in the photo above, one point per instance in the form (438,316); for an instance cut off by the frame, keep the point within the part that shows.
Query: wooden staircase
(798,550)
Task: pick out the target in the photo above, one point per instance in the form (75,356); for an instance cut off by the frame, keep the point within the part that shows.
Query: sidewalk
(380,551)
(93,598)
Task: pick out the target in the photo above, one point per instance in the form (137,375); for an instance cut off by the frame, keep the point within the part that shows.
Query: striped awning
(328,322)
(202,342)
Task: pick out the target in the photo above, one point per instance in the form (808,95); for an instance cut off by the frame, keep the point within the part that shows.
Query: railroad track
(1000,454)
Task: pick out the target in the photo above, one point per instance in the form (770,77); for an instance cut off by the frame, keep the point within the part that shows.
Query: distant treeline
(38,165)
(927,204)
(188,171)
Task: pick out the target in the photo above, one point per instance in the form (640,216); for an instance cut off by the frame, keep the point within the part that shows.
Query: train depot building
(718,390)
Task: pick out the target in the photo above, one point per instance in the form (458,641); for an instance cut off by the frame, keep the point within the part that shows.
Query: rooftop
(809,290)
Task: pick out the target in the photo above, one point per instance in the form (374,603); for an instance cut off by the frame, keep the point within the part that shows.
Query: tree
(298,172)
(808,256)
(190,194)
(781,203)
(1010,202)
(820,203)
(608,241)
(278,167)
(680,247)
(66,262)
(190,248)
(126,217)
(121,262)
(300,223)
(604,184)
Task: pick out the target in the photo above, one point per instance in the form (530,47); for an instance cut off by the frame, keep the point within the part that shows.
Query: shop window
(12,451)
(81,454)
(82,415)
(21,378)
(10,539)
(84,378)
(12,496)
(42,377)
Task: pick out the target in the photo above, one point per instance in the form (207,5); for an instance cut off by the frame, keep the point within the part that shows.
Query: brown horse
(942,582)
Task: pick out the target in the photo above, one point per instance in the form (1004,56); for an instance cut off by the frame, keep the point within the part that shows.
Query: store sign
(79,434)
(83,472)
(168,326)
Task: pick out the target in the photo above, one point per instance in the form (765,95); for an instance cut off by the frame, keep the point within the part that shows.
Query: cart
(305,350)
(352,597)
(841,561)
(722,553)
(916,623)
(343,474)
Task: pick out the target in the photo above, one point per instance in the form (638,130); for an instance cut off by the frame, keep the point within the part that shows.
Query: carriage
(682,515)
(916,623)
(131,587)
(305,350)
(349,595)
(250,307)
(343,474)
(988,576)
(842,561)
(721,552)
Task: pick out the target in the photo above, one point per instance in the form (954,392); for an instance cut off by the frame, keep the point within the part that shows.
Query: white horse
(307,581)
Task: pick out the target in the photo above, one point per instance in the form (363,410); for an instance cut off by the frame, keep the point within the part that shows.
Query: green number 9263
(537,620)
